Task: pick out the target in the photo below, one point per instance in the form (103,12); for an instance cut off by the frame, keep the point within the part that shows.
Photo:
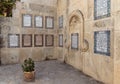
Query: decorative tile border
(38,40)
(102,42)
(74,41)
(49,40)
(61,21)
(26,20)
(60,40)
(38,21)
(97,11)
(26,40)
(13,40)
(49,22)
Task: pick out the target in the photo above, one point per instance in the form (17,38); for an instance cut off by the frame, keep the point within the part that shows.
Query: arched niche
(76,25)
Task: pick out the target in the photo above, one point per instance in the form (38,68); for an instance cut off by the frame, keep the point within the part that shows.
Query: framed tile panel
(102,42)
(26,20)
(61,40)
(61,21)
(38,21)
(49,40)
(101,9)
(27,40)
(74,41)
(13,40)
(49,22)
(38,40)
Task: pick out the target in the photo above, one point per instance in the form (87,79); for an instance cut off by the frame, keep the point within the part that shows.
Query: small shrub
(28,65)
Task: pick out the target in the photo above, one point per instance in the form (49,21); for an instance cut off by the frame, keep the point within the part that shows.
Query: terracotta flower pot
(29,76)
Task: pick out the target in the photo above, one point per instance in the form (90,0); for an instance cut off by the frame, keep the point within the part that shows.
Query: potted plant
(28,68)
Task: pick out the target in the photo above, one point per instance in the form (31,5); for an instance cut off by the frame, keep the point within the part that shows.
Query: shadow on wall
(50,57)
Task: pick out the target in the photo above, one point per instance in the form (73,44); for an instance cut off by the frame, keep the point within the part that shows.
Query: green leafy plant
(6,6)
(28,65)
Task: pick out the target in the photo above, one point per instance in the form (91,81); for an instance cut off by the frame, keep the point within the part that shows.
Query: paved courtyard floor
(47,72)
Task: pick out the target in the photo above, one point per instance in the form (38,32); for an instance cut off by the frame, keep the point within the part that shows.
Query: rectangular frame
(105,48)
(61,21)
(60,40)
(36,44)
(38,18)
(27,22)
(52,22)
(101,16)
(49,40)
(29,40)
(74,37)
(13,40)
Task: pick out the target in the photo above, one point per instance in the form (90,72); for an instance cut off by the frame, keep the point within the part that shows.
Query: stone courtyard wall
(14,26)
(116,16)
(98,65)
(101,67)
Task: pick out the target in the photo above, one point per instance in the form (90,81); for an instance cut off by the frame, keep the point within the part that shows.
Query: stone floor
(47,72)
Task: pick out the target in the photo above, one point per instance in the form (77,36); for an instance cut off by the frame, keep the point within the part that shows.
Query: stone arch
(78,14)
(75,16)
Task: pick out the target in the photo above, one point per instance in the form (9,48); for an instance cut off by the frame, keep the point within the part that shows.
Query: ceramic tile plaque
(102,42)
(49,22)
(38,40)
(38,21)
(49,40)
(101,9)
(13,40)
(74,41)
(27,40)
(61,21)
(27,20)
(61,40)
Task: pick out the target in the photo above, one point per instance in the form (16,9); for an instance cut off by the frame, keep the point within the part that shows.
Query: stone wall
(78,18)
(42,2)
(62,8)
(14,26)
(99,66)
(116,16)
